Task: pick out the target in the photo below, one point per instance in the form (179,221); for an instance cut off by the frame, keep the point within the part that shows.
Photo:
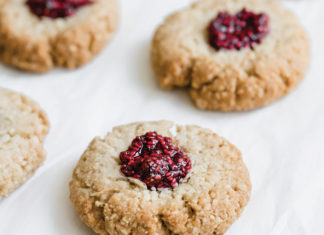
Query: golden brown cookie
(227,78)
(180,180)
(23,126)
(37,43)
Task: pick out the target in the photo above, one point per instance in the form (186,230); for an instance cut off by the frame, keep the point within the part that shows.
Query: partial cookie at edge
(23,126)
(43,44)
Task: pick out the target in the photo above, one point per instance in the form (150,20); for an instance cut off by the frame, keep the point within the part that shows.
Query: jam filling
(235,32)
(56,8)
(154,160)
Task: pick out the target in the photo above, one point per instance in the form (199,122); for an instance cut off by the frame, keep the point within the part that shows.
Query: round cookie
(23,126)
(38,43)
(223,79)
(207,201)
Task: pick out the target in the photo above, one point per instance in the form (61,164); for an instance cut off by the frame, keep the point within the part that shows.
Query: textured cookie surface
(23,126)
(37,44)
(208,201)
(228,79)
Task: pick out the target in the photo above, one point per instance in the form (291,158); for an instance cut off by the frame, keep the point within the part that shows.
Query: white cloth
(282,144)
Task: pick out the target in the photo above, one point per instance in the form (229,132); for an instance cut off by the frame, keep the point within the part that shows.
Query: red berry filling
(243,30)
(56,8)
(154,160)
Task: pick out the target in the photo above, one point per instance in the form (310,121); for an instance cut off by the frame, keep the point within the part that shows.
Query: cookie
(160,178)
(231,54)
(36,35)
(23,126)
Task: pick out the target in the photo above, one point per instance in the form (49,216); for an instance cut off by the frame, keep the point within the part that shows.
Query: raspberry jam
(55,8)
(234,32)
(154,160)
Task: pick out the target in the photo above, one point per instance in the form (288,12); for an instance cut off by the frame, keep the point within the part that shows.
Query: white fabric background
(282,144)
